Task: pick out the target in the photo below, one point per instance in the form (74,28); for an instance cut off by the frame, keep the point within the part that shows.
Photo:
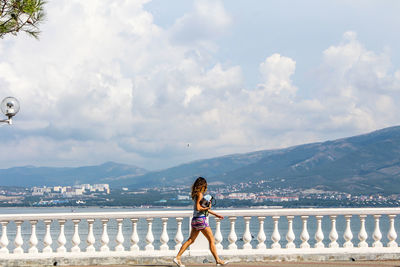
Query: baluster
(61,238)
(319,235)
(377,235)
(261,234)
(179,235)
(164,235)
(333,235)
(218,235)
(149,236)
(4,238)
(304,236)
(391,235)
(348,235)
(232,235)
(120,237)
(33,241)
(290,234)
(276,237)
(76,239)
(90,238)
(135,236)
(104,236)
(362,235)
(47,241)
(247,234)
(18,241)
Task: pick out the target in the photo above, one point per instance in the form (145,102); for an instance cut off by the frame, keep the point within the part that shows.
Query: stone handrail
(248,246)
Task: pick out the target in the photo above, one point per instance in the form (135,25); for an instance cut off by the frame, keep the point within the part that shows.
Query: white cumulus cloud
(106,83)
(206,22)
(359,86)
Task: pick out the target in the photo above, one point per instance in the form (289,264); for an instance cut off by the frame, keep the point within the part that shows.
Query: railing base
(198,257)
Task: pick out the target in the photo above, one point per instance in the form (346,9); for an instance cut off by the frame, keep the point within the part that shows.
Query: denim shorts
(199,223)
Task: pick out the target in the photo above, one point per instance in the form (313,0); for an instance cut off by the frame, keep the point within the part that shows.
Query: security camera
(10,111)
(10,107)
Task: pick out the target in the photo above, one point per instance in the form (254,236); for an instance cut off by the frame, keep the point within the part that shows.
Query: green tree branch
(21,15)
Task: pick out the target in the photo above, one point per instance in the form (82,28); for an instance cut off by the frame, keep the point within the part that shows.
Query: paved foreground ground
(279,264)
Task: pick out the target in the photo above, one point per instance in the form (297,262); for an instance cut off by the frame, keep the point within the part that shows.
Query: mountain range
(28,176)
(364,163)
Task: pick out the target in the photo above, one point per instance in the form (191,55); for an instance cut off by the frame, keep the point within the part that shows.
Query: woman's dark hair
(200,185)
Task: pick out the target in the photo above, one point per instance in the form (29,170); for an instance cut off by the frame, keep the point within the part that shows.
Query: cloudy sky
(158,83)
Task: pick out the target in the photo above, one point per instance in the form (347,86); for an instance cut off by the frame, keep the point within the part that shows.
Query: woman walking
(200,223)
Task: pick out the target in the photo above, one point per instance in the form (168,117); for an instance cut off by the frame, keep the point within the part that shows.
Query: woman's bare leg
(193,235)
(210,237)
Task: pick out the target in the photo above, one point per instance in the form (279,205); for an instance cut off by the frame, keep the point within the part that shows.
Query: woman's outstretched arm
(215,214)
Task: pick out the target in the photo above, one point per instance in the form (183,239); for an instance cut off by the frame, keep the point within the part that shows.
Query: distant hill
(185,173)
(37,176)
(369,162)
(366,163)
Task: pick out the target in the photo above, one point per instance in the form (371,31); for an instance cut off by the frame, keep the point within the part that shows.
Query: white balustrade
(179,235)
(218,235)
(164,235)
(362,235)
(247,234)
(120,237)
(348,235)
(61,238)
(333,235)
(104,236)
(33,241)
(134,236)
(75,238)
(90,238)
(290,234)
(275,234)
(261,237)
(47,241)
(232,234)
(304,236)
(319,235)
(149,236)
(18,241)
(392,233)
(68,232)
(4,239)
(377,235)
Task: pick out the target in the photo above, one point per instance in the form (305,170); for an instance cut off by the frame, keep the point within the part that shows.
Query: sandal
(178,262)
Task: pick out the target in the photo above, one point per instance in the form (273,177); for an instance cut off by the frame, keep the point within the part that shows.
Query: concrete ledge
(238,256)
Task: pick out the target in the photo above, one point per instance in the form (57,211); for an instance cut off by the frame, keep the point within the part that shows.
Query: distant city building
(57,189)
(242,196)
(39,191)
(184,197)
(219,196)
(70,191)
(280,198)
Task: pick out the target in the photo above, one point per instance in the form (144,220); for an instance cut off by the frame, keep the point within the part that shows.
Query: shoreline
(137,207)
